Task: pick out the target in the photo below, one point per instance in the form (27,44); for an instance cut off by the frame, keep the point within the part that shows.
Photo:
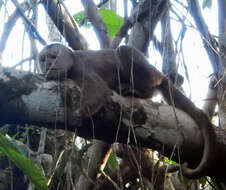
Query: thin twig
(109,179)
(22,61)
(68,13)
(134,3)
(137,15)
(208,40)
(10,24)
(63,23)
(98,6)
(34,31)
(125,3)
(42,141)
(97,22)
(102,3)
(33,49)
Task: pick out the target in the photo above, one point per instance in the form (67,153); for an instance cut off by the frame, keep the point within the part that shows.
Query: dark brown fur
(126,71)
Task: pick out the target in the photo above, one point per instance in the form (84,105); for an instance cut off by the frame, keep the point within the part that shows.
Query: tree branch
(152,125)
(33,31)
(10,24)
(64,25)
(97,22)
(211,99)
(152,9)
(208,40)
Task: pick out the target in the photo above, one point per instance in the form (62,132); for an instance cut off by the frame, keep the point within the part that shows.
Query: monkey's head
(55,60)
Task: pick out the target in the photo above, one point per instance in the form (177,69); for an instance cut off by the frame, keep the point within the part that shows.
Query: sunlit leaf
(112,21)
(207,4)
(170,161)
(22,162)
(112,161)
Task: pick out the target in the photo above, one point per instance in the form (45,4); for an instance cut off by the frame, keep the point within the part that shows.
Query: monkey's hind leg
(138,76)
(95,93)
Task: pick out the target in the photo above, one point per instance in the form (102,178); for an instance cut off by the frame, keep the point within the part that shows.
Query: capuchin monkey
(126,71)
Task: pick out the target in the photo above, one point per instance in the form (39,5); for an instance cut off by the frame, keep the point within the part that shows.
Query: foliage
(112,161)
(170,161)
(202,181)
(13,152)
(112,20)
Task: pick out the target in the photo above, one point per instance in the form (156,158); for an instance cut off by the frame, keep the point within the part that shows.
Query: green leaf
(112,161)
(112,21)
(22,162)
(203,181)
(168,161)
(207,4)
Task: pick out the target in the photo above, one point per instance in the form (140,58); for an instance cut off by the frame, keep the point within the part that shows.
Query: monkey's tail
(172,94)
(209,150)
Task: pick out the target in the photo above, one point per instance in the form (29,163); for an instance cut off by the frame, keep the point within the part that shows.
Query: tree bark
(64,25)
(153,125)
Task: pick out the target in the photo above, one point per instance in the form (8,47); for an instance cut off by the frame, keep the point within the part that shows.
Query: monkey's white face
(55,60)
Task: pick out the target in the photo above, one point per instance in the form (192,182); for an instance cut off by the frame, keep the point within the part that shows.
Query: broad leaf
(168,161)
(112,21)
(22,162)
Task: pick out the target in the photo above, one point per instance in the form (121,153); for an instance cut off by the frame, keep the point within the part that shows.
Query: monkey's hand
(95,94)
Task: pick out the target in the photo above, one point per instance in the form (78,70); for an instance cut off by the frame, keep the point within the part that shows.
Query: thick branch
(145,9)
(211,99)
(97,22)
(154,125)
(221,16)
(222,46)
(96,154)
(207,39)
(64,24)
